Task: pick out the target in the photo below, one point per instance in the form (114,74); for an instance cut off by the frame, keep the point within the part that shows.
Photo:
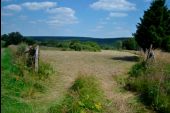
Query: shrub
(138,69)
(21,48)
(130,44)
(3,43)
(152,83)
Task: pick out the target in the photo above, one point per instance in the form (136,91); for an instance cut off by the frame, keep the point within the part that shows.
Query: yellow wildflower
(98,106)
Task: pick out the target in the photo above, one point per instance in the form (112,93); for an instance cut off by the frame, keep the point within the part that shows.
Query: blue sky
(89,18)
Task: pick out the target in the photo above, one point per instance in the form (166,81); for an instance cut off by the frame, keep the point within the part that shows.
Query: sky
(87,18)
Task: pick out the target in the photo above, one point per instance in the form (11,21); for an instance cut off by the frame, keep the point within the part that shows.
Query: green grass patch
(19,83)
(152,82)
(85,96)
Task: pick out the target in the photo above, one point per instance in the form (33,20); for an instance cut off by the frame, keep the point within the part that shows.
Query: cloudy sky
(90,18)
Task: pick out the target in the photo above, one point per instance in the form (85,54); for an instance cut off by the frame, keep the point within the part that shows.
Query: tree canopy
(154,26)
(15,38)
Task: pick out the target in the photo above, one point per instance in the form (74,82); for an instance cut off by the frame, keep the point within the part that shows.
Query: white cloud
(5,0)
(62,16)
(117,14)
(39,5)
(6,14)
(113,5)
(13,7)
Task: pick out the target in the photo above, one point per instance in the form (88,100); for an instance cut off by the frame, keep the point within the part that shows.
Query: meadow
(77,82)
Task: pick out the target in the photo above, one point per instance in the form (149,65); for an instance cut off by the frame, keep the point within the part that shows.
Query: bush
(138,69)
(152,83)
(73,45)
(3,43)
(130,44)
(21,48)
(15,38)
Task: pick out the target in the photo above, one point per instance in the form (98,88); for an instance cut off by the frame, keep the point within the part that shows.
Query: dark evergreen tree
(154,26)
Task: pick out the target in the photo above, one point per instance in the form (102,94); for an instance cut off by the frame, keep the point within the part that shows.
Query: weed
(84,96)
(44,70)
(152,82)
(19,83)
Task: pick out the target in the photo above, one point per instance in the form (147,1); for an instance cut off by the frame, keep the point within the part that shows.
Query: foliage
(19,83)
(154,26)
(118,45)
(73,45)
(152,82)
(130,44)
(21,48)
(84,96)
(12,85)
(3,43)
(45,70)
(166,44)
(15,38)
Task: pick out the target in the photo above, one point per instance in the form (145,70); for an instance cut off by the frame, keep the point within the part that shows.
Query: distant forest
(70,42)
(104,43)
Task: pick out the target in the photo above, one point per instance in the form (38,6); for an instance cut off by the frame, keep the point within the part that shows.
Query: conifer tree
(154,26)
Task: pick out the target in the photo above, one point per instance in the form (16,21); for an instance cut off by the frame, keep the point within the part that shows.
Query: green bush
(152,82)
(138,69)
(73,45)
(3,43)
(130,44)
(21,48)
(15,38)
(84,96)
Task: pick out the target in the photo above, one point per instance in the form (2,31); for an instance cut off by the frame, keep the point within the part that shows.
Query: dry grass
(104,65)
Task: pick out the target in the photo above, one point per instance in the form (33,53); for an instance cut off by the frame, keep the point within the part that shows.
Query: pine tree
(154,26)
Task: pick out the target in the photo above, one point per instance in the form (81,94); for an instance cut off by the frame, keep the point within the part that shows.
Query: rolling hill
(101,41)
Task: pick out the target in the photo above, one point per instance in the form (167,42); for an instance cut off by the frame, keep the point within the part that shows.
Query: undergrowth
(84,96)
(152,81)
(19,83)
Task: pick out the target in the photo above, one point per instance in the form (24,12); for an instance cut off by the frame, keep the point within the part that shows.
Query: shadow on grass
(127,58)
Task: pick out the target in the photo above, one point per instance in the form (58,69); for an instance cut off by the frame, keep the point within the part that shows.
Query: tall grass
(152,81)
(12,86)
(18,83)
(85,96)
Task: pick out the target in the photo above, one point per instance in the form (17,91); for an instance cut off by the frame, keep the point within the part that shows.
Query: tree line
(14,38)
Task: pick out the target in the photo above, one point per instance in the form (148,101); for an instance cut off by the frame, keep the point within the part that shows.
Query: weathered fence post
(36,58)
(150,54)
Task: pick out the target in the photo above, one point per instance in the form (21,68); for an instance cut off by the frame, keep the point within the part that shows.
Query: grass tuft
(152,82)
(83,97)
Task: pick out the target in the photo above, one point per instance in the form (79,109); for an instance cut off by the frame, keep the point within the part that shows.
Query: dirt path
(105,65)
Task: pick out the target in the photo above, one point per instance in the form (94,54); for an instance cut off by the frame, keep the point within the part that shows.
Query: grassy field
(108,68)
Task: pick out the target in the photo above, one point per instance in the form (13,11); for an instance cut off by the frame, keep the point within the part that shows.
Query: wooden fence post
(36,58)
